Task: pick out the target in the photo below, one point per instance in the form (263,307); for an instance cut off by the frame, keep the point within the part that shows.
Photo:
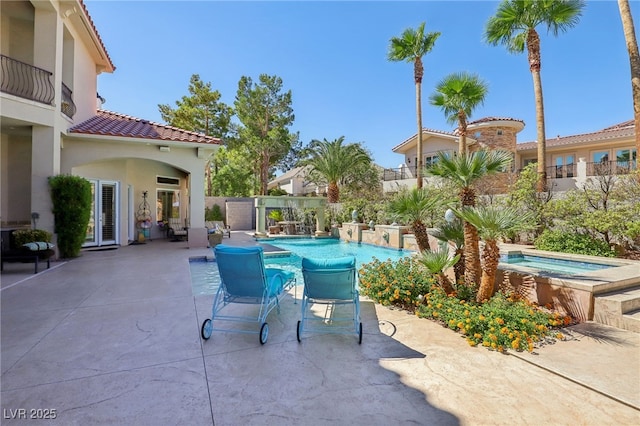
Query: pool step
(619,309)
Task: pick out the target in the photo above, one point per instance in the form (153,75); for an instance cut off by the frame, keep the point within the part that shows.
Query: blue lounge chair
(245,280)
(330,282)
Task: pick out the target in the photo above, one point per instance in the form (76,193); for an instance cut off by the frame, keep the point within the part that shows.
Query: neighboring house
(51,123)
(296,182)
(570,159)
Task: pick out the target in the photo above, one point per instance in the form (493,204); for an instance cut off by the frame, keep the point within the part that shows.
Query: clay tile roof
(424,129)
(109,123)
(489,119)
(95,30)
(624,129)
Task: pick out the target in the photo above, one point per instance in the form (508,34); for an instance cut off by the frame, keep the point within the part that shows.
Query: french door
(103,223)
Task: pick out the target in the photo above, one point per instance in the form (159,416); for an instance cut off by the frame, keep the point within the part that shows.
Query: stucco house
(570,159)
(51,123)
(296,182)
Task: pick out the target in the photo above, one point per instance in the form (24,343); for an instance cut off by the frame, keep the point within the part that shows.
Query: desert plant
(437,262)
(213,213)
(71,198)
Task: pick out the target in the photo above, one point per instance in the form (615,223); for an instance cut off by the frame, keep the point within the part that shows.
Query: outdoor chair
(218,226)
(245,280)
(177,229)
(331,285)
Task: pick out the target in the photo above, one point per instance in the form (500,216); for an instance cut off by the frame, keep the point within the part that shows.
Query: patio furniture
(27,253)
(332,283)
(245,280)
(177,230)
(218,225)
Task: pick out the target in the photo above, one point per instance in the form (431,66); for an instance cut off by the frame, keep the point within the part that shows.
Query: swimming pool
(553,265)
(205,277)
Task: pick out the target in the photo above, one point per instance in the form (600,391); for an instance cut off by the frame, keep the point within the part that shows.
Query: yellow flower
(481,317)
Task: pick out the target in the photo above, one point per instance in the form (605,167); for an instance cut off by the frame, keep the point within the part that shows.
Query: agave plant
(492,223)
(437,262)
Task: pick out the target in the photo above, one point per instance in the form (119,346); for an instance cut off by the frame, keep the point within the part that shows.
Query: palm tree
(453,233)
(514,25)
(458,95)
(493,222)
(437,262)
(463,171)
(634,59)
(412,207)
(334,162)
(411,47)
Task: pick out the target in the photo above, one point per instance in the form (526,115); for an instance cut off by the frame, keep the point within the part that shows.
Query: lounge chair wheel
(360,334)
(207,329)
(299,331)
(264,333)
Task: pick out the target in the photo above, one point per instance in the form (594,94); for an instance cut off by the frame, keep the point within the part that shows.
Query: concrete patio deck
(113,337)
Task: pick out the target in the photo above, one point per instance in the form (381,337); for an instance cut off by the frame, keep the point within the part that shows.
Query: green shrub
(573,242)
(213,213)
(23,236)
(400,283)
(71,198)
(499,324)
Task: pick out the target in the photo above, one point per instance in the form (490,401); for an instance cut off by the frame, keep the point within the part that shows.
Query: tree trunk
(634,60)
(471,255)
(490,259)
(535,64)
(462,128)
(445,283)
(458,268)
(421,234)
(333,193)
(419,164)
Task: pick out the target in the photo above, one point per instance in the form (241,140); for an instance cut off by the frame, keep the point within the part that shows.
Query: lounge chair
(245,280)
(177,229)
(332,283)
(218,226)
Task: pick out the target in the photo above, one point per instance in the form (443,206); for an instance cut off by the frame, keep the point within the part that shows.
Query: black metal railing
(68,108)
(399,173)
(606,168)
(560,172)
(24,80)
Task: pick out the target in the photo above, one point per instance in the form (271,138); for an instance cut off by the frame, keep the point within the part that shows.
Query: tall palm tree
(437,262)
(334,161)
(412,207)
(463,171)
(514,25)
(634,59)
(411,47)
(458,94)
(493,223)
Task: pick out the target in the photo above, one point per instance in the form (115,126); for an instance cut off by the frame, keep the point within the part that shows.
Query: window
(499,132)
(167,204)
(564,165)
(601,156)
(163,180)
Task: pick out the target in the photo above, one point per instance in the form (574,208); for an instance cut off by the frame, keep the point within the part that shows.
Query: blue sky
(332,55)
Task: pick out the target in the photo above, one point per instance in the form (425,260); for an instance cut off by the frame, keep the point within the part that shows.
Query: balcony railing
(605,168)
(560,172)
(68,108)
(26,81)
(400,173)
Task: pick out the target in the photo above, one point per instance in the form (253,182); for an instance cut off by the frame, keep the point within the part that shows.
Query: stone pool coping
(622,274)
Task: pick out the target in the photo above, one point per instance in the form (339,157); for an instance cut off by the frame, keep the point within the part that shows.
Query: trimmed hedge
(572,242)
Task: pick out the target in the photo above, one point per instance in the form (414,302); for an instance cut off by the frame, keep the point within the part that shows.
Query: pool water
(546,264)
(205,277)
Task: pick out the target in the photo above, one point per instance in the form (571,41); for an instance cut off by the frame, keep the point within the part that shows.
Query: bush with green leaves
(500,324)
(24,236)
(573,242)
(213,213)
(400,283)
(71,198)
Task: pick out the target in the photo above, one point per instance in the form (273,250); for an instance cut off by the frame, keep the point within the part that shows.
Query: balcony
(26,81)
(614,167)
(400,173)
(68,108)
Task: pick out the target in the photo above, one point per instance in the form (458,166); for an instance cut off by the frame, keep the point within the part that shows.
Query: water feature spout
(349,232)
(385,237)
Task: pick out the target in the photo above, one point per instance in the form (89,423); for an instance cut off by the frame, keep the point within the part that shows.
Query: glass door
(103,222)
